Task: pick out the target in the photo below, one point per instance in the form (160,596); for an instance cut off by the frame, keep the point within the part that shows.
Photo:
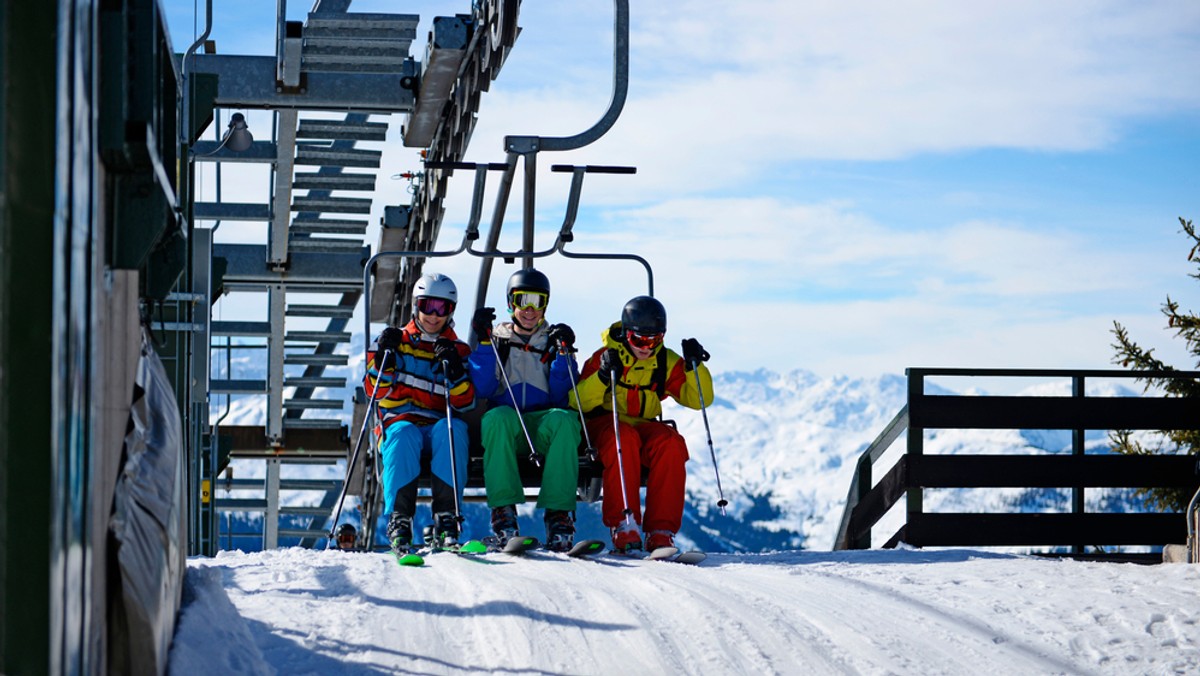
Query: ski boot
(560,530)
(626,537)
(504,524)
(444,531)
(399,533)
(657,539)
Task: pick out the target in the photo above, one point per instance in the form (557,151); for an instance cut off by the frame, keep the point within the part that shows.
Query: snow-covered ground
(297,611)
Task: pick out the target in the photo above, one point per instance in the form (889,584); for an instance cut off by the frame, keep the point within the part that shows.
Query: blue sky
(848,188)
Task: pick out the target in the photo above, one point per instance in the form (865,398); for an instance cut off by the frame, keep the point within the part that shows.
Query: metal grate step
(306,404)
(329,226)
(318,181)
(361,25)
(314,381)
(337,55)
(332,311)
(317,336)
(230,211)
(237,387)
(341,205)
(317,359)
(325,156)
(341,130)
(285,484)
(241,329)
(306,533)
(312,423)
(323,244)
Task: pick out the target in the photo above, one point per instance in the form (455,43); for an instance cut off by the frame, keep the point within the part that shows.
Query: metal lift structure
(335,83)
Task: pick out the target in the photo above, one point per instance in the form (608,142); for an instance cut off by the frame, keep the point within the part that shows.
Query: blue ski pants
(403,445)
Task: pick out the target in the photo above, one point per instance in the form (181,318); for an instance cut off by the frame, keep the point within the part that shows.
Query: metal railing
(866,504)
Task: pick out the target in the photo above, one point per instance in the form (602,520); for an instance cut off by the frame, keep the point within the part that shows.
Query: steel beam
(249,82)
(246,265)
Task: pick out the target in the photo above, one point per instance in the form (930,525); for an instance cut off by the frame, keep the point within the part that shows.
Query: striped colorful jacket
(408,387)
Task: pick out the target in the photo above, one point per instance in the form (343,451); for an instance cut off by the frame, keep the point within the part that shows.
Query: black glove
(389,340)
(482,322)
(561,334)
(693,353)
(609,361)
(446,353)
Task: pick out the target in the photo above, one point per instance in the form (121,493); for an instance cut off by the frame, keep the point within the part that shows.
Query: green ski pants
(555,433)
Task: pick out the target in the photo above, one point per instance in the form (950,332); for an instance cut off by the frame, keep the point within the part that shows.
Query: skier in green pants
(534,374)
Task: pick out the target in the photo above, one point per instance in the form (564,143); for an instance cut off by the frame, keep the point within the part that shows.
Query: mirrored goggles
(643,341)
(439,307)
(521,300)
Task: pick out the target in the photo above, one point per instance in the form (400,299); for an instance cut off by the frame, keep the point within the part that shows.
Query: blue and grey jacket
(537,372)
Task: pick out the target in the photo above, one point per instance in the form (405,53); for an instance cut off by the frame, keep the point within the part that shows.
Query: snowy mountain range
(786,445)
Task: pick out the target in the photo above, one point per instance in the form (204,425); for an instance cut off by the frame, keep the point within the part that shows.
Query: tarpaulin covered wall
(148,536)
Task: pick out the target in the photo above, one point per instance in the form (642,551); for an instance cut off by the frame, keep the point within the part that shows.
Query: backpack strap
(658,378)
(505,345)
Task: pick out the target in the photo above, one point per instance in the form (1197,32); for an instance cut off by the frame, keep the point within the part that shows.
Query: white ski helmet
(436,285)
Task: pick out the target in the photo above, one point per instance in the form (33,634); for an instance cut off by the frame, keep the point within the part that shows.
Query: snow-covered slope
(300,611)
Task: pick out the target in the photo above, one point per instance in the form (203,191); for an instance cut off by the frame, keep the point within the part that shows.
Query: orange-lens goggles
(643,341)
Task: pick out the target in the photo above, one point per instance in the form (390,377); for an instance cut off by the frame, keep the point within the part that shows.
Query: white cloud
(731,104)
(725,92)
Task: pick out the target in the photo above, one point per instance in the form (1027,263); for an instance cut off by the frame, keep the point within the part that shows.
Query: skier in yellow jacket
(646,372)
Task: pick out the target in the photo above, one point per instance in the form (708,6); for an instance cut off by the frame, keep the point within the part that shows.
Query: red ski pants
(651,444)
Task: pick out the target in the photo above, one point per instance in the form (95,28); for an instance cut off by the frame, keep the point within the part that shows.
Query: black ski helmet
(346,536)
(528,279)
(644,315)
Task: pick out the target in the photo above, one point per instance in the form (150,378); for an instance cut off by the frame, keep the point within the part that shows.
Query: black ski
(674,555)
(516,546)
(586,548)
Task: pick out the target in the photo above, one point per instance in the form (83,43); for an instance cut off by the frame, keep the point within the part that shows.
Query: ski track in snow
(879,612)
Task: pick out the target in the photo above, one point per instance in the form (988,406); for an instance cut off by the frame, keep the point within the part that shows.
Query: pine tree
(1131,355)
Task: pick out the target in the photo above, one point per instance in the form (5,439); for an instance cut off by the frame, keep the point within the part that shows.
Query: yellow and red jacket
(409,389)
(642,383)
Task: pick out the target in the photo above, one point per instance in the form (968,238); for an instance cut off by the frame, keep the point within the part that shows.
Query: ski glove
(446,353)
(609,361)
(389,340)
(693,353)
(482,322)
(561,334)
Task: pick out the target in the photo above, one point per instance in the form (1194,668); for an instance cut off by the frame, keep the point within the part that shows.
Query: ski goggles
(521,300)
(643,341)
(439,307)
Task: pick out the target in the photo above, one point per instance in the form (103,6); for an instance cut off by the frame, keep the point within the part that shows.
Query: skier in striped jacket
(410,373)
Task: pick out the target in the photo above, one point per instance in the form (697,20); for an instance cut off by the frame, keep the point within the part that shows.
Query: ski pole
(357,447)
(589,450)
(617,437)
(450,432)
(371,493)
(533,456)
(713,451)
